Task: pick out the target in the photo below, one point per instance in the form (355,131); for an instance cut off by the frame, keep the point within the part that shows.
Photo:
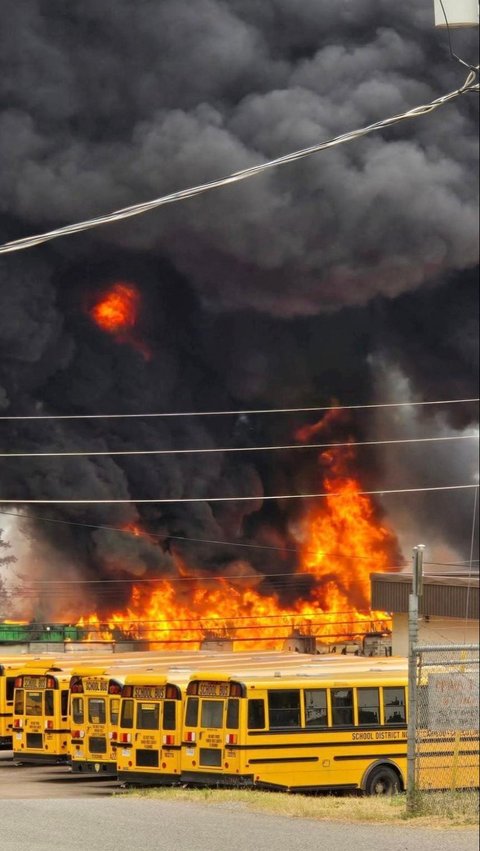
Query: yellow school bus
(338,732)
(297,733)
(9,669)
(94,712)
(40,715)
(8,672)
(149,735)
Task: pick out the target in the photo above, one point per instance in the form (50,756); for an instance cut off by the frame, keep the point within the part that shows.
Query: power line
(246,412)
(167,536)
(94,452)
(195,499)
(469,85)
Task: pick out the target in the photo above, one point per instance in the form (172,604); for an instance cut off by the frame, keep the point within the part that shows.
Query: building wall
(435,630)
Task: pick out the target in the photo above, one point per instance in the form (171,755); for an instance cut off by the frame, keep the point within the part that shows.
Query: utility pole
(417,591)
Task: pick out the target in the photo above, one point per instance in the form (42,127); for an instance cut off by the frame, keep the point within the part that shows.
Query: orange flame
(117,313)
(118,309)
(341,541)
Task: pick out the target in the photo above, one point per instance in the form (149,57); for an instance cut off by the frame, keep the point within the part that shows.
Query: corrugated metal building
(448,608)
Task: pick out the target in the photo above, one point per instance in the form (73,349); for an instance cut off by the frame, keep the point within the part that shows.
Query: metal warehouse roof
(447,596)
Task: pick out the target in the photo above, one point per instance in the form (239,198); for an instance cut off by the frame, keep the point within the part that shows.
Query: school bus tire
(383,780)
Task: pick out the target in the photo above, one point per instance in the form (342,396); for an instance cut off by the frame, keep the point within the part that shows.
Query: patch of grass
(385,810)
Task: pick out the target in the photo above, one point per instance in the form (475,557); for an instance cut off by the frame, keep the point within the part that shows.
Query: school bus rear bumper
(40,758)
(147,778)
(95,768)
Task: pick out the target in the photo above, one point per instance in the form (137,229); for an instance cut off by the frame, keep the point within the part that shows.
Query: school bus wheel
(383,780)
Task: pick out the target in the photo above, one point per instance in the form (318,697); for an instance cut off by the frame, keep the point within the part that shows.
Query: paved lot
(56,781)
(46,808)
(120,824)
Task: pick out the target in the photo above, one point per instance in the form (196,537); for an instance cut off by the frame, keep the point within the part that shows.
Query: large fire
(340,540)
(117,312)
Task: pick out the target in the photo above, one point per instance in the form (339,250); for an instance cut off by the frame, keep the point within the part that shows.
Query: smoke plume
(344,276)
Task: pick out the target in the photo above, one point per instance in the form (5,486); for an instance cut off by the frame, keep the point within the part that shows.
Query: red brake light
(18,682)
(114,687)
(192,688)
(127,691)
(235,690)
(49,725)
(76,685)
(51,682)
(114,736)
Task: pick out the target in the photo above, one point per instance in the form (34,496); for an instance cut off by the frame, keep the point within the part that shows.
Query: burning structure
(350,276)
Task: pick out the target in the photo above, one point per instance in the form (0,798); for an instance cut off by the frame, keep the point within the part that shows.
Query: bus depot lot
(21,782)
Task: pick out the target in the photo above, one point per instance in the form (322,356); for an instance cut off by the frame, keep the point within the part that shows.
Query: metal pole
(417,589)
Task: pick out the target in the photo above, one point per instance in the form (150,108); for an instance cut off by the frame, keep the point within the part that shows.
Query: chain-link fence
(446,729)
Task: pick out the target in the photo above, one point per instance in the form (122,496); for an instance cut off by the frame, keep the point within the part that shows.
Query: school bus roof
(88,671)
(153,678)
(288,680)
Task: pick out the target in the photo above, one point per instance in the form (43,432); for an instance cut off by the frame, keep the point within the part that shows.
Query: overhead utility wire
(189,499)
(94,452)
(314,409)
(136,209)
(167,536)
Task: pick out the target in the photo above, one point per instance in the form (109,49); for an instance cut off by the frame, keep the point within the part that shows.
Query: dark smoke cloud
(288,289)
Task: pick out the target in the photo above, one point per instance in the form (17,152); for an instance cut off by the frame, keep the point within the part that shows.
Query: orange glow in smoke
(117,313)
(341,540)
(118,309)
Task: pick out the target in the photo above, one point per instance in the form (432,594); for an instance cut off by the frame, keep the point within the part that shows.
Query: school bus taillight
(231,739)
(17,722)
(78,734)
(125,738)
(113,736)
(169,740)
(18,682)
(49,725)
(190,736)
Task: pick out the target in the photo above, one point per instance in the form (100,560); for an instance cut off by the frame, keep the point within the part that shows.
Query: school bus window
(49,703)
(33,703)
(169,712)
(114,709)
(19,701)
(232,713)
(64,703)
(316,707)
(212,713)
(148,715)
(342,706)
(126,718)
(77,710)
(394,705)
(256,714)
(368,700)
(9,688)
(191,715)
(284,708)
(96,710)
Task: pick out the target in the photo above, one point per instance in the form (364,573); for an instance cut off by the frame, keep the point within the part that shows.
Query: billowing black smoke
(347,276)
